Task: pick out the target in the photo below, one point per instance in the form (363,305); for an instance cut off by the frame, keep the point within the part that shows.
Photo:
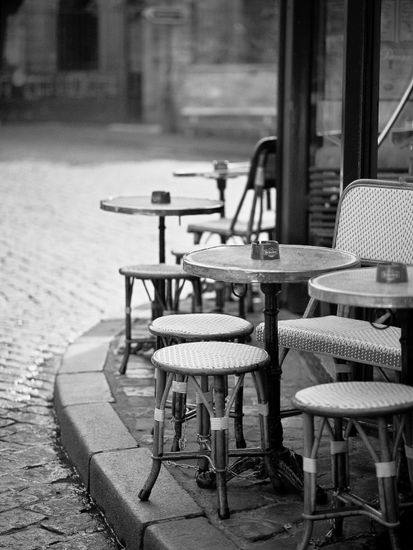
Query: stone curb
(113,467)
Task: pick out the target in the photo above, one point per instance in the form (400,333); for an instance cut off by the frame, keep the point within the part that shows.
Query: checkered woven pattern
(156,271)
(201,325)
(355,398)
(373,230)
(224,225)
(210,358)
(340,337)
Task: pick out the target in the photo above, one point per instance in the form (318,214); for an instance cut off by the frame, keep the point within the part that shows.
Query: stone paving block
(115,481)
(80,388)
(89,429)
(85,355)
(12,520)
(186,534)
(264,522)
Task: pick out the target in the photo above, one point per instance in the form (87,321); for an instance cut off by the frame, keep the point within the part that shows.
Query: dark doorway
(77,35)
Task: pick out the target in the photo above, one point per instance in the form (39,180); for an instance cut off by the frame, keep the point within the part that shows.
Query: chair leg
(219,432)
(387,484)
(128,324)
(163,383)
(310,480)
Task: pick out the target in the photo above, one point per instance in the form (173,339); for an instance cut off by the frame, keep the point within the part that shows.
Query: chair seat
(210,358)
(341,337)
(198,326)
(156,271)
(222,226)
(355,399)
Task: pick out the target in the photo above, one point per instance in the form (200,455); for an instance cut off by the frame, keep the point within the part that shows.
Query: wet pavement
(59,258)
(107,419)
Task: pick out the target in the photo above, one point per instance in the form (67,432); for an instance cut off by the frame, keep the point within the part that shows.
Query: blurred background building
(220,67)
(180,64)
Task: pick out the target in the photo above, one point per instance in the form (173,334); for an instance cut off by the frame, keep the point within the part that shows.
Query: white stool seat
(209,358)
(198,326)
(355,398)
(214,402)
(340,337)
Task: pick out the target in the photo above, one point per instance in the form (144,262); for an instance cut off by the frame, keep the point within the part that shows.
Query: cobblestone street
(60,256)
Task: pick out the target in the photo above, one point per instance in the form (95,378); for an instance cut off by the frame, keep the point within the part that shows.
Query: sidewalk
(106,422)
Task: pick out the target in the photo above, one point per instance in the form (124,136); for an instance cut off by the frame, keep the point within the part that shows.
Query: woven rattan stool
(164,297)
(217,360)
(196,327)
(379,401)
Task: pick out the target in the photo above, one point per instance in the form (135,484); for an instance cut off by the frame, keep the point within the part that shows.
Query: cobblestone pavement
(59,257)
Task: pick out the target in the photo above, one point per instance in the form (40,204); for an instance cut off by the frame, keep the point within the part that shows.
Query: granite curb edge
(112,466)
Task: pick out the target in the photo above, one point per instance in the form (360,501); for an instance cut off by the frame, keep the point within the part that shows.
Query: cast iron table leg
(160,285)
(287,465)
(221,184)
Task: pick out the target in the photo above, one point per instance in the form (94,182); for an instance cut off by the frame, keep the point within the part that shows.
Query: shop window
(77,35)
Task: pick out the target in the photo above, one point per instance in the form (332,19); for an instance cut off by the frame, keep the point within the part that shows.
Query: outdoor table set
(222,170)
(195,356)
(294,264)
(161,275)
(163,207)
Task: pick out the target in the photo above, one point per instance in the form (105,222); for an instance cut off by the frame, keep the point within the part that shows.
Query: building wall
(146,70)
(34,88)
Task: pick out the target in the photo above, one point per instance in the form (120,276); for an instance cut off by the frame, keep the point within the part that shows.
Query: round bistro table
(358,287)
(297,263)
(179,206)
(221,172)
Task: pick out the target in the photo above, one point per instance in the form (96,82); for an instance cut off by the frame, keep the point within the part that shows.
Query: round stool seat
(355,399)
(199,326)
(156,271)
(209,358)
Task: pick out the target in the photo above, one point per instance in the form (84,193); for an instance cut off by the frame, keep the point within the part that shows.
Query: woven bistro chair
(254,215)
(198,327)
(217,360)
(375,222)
(346,403)
(164,296)
(251,219)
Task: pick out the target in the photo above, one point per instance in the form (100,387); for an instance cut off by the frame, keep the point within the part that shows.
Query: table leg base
(206,479)
(284,470)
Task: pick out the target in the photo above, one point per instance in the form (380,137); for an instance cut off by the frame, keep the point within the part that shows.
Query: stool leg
(389,503)
(340,473)
(260,387)
(205,479)
(162,388)
(238,424)
(220,447)
(310,481)
(178,414)
(128,324)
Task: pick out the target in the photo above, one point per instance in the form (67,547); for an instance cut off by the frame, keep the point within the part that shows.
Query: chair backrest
(260,180)
(375,221)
